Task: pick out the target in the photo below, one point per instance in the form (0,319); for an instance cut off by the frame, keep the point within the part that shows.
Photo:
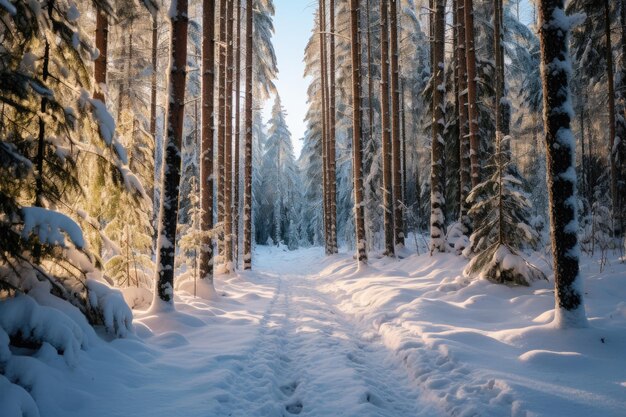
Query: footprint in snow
(294,408)
(289,389)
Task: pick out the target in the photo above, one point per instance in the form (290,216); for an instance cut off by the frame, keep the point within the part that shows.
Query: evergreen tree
(501,211)
(280,183)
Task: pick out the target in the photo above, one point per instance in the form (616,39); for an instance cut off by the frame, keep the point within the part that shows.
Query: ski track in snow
(310,360)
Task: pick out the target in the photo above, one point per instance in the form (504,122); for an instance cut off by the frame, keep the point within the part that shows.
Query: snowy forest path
(310,359)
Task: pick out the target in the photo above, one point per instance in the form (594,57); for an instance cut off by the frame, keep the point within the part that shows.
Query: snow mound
(137,298)
(15,400)
(548,358)
(32,324)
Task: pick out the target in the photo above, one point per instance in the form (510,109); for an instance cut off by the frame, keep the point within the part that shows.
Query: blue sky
(293,23)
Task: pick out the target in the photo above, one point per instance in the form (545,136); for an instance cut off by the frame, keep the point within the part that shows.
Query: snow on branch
(115,314)
(6,5)
(51,226)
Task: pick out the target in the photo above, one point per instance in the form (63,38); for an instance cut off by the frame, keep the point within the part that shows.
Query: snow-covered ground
(313,336)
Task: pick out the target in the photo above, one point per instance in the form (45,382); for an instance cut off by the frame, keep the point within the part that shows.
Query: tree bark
(228,143)
(388,203)
(325,127)
(236,193)
(153,81)
(621,126)
(560,152)
(221,129)
(611,103)
(499,73)
(370,79)
(464,168)
(472,110)
(357,165)
(247,198)
(208,130)
(437,240)
(100,64)
(395,124)
(166,244)
(332,120)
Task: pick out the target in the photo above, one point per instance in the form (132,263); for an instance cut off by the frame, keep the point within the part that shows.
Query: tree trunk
(237,135)
(332,120)
(395,124)
(499,74)
(613,157)
(247,197)
(403,151)
(503,102)
(472,109)
(388,203)
(228,143)
(437,238)
(325,127)
(166,244)
(153,81)
(357,165)
(221,129)
(560,151)
(621,125)
(370,79)
(464,168)
(100,64)
(206,150)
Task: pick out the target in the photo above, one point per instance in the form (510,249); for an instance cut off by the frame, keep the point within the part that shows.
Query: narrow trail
(309,359)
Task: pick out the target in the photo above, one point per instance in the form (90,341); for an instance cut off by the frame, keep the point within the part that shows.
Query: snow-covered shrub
(500,209)
(456,238)
(596,230)
(110,308)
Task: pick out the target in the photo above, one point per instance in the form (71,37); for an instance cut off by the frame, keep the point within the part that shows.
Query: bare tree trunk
(472,110)
(465,176)
(621,126)
(560,151)
(403,142)
(166,245)
(153,81)
(499,72)
(613,157)
(583,160)
(325,127)
(357,164)
(395,124)
(437,239)
(388,203)
(332,120)
(221,129)
(237,134)
(100,64)
(228,144)
(207,151)
(247,197)
(370,79)
(120,93)
(41,138)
